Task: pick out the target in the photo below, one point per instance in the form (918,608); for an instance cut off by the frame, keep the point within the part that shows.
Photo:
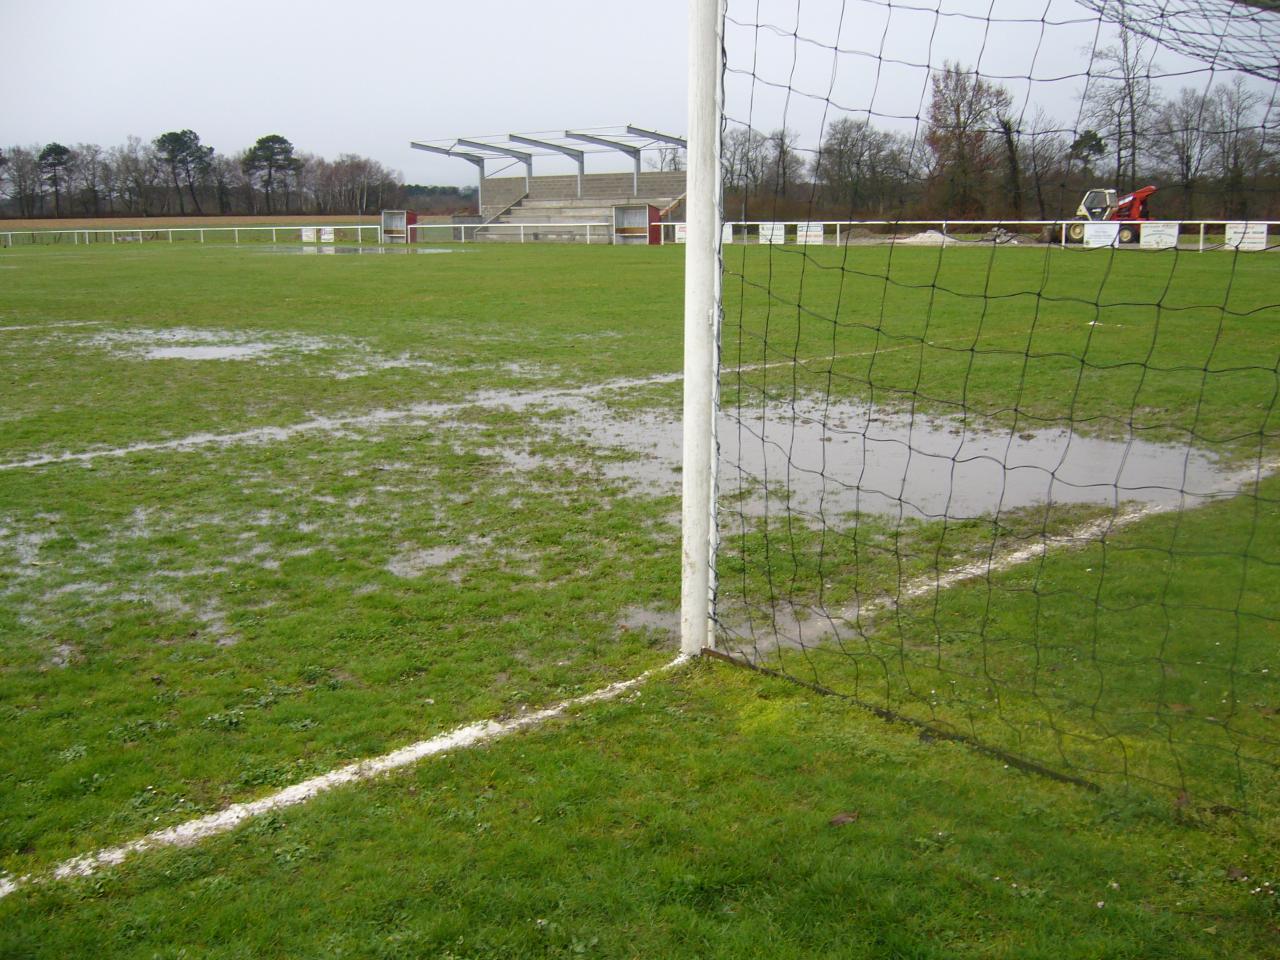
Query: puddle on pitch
(237,352)
(188,343)
(856,458)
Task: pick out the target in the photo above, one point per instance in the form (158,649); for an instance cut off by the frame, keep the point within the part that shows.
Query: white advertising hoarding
(1246,236)
(326,234)
(807,233)
(773,233)
(726,233)
(1102,234)
(1159,236)
(308,234)
(682,232)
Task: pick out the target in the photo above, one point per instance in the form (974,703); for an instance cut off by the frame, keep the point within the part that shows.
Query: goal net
(970,473)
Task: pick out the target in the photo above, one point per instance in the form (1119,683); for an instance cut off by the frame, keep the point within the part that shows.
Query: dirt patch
(927,238)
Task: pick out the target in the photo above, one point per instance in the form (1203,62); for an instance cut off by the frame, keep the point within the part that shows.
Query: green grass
(690,820)
(183,628)
(1168,346)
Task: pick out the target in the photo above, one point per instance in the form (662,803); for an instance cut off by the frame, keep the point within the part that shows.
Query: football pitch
(264,513)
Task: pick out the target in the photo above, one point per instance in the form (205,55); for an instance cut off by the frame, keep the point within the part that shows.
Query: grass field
(262,514)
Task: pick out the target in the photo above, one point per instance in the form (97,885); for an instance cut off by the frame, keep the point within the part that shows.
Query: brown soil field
(160,223)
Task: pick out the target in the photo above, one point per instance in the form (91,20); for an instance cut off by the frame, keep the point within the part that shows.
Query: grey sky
(366,78)
(337,76)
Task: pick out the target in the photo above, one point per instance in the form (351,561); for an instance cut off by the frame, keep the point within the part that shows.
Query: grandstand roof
(575,144)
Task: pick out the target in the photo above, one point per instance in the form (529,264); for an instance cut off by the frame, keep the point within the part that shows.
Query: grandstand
(567,206)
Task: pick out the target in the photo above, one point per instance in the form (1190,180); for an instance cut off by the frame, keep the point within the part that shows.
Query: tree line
(178,174)
(973,156)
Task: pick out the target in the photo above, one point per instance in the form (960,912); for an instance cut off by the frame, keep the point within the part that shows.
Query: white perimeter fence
(337,233)
(1151,234)
(1242,235)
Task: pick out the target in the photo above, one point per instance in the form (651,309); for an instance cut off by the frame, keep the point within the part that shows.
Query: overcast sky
(333,77)
(368,77)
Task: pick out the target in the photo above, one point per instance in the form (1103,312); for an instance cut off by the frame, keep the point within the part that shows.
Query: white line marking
(796,633)
(427,412)
(193,831)
(255,435)
(1082,535)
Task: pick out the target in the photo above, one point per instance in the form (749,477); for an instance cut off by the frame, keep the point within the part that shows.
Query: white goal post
(702,307)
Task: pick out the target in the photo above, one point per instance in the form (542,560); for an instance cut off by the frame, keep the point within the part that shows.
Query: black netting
(998,441)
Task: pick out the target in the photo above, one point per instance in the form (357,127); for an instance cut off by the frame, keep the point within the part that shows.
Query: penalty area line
(227,819)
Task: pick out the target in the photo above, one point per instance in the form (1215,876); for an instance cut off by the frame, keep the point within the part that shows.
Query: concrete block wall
(500,192)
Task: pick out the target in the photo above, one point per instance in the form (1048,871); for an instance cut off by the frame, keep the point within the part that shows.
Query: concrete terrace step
(614,187)
(537,233)
(578,218)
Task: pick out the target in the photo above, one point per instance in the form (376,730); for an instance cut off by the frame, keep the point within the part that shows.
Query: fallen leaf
(844,819)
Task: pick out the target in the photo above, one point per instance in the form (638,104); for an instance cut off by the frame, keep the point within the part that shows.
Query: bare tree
(1048,160)
(85,176)
(1236,146)
(666,159)
(138,175)
(962,134)
(1010,136)
(1120,100)
(26,188)
(857,166)
(224,178)
(1180,141)
(784,164)
(743,159)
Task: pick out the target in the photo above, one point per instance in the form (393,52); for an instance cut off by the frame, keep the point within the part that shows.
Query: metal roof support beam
(474,159)
(525,158)
(660,137)
(631,151)
(578,156)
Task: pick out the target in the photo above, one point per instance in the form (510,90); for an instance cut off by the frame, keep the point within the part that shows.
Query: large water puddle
(240,352)
(855,458)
